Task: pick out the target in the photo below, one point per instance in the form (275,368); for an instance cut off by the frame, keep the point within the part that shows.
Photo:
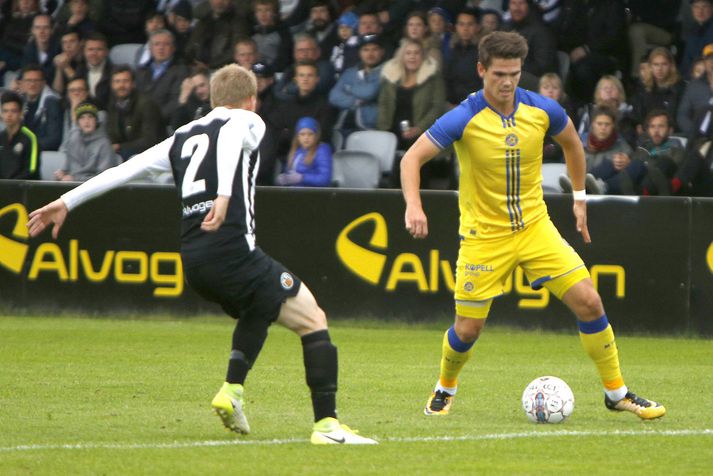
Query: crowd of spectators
(635,77)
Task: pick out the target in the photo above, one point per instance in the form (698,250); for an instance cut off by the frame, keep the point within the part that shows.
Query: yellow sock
(454,354)
(597,338)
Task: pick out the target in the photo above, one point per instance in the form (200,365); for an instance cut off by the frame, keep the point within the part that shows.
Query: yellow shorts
(484,266)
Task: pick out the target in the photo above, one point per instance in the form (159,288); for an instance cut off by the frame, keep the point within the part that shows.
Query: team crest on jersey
(287,281)
(468,286)
(511,140)
(18,148)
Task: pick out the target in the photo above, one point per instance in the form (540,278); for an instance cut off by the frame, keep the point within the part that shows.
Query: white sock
(618,394)
(449,390)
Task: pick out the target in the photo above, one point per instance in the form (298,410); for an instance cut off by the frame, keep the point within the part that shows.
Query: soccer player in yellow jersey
(498,136)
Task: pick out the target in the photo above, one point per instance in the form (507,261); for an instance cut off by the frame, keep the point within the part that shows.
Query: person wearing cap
(265,81)
(347,41)
(309,162)
(696,40)
(180,19)
(87,150)
(441,25)
(696,97)
(356,93)
(321,26)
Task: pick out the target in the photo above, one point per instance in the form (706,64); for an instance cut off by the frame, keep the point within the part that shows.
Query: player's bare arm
(53,213)
(418,154)
(216,216)
(576,167)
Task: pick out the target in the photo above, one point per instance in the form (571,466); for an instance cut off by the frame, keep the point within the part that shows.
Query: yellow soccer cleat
(439,403)
(328,431)
(228,405)
(643,408)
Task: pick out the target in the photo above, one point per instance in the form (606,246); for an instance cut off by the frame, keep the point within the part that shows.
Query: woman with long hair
(411,97)
(309,162)
(661,86)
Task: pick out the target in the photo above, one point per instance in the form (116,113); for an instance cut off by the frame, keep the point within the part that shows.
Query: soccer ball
(547,400)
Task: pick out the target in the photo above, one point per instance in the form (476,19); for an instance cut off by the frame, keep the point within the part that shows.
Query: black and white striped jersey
(211,156)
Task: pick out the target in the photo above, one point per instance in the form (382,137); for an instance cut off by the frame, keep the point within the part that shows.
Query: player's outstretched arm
(577,168)
(418,154)
(53,213)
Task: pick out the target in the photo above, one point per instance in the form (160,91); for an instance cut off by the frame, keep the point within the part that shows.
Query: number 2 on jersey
(194,148)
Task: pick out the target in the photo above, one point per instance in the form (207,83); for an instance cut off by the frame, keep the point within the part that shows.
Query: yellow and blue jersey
(500,160)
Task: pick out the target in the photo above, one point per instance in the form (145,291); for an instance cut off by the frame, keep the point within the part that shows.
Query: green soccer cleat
(328,431)
(643,408)
(439,403)
(228,405)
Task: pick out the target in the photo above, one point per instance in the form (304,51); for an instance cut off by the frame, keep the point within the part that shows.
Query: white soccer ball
(547,400)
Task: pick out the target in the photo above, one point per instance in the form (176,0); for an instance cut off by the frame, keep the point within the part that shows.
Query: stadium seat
(355,169)
(124,53)
(50,161)
(381,144)
(680,139)
(564,62)
(550,177)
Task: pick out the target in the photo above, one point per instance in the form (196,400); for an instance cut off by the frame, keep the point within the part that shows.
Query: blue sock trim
(457,344)
(594,326)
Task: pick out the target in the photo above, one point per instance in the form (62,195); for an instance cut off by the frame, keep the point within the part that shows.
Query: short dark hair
(96,36)
(311,64)
(122,68)
(502,45)
(604,111)
(11,96)
(657,113)
(32,67)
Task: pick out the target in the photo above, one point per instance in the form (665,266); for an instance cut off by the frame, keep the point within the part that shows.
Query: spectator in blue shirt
(309,162)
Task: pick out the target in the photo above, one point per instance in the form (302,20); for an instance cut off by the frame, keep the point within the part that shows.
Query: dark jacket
(645,101)
(542,55)
(213,39)
(694,103)
(603,32)
(193,109)
(135,127)
(44,118)
(695,41)
(19,156)
(274,46)
(103,89)
(165,89)
(460,72)
(31,55)
(122,21)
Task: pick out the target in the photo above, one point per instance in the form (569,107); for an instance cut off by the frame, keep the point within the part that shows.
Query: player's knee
(590,305)
(467,329)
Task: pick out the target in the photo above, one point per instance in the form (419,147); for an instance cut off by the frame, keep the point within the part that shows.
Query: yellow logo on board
(365,263)
(709,257)
(13,252)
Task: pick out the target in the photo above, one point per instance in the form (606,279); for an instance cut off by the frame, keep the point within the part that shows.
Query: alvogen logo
(365,263)
(71,263)
(13,250)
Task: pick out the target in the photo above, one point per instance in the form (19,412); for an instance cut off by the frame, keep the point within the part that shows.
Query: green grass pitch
(122,396)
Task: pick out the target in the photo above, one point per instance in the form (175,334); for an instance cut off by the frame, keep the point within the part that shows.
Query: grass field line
(406,439)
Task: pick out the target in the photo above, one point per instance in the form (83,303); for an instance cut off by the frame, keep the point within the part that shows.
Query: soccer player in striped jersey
(214,162)
(498,136)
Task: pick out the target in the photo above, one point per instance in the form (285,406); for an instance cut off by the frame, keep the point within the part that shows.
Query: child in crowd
(309,163)
(551,86)
(88,148)
(348,40)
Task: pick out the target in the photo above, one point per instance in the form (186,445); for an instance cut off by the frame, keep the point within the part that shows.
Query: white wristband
(579,194)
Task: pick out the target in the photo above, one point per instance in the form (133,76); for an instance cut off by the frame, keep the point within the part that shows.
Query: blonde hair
(231,85)
(550,78)
(614,80)
(673,77)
